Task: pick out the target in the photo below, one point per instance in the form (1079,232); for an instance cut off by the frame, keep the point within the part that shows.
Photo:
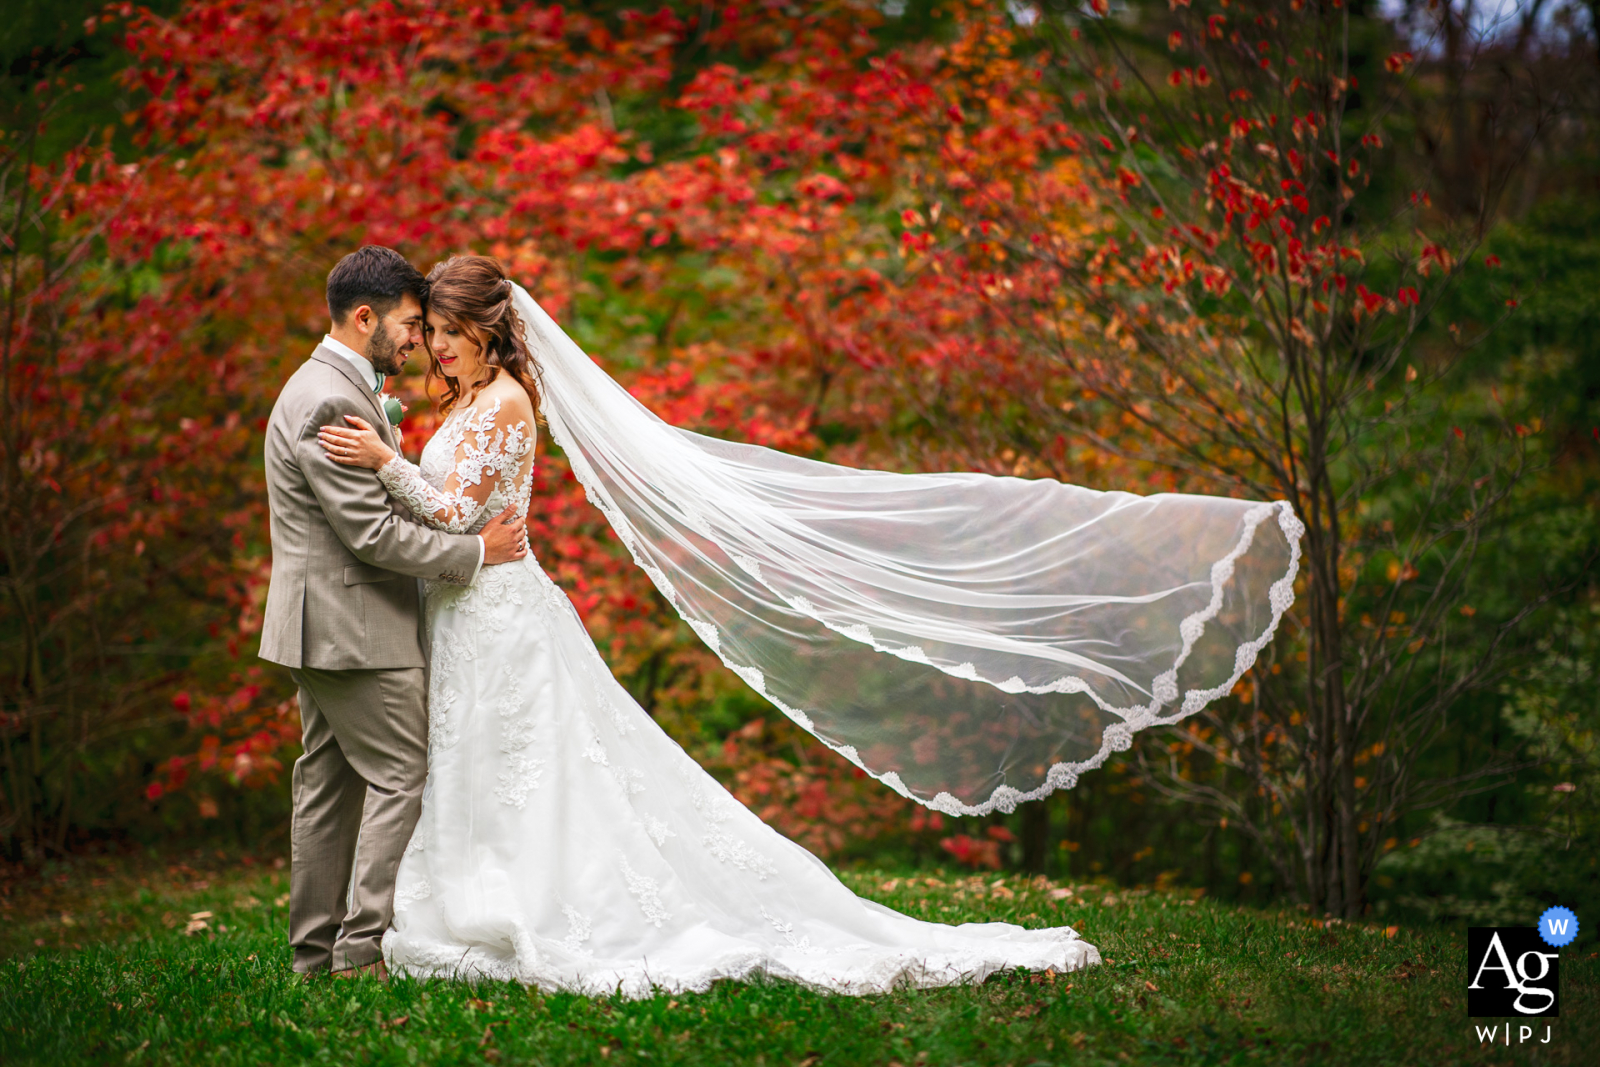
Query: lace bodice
(477,464)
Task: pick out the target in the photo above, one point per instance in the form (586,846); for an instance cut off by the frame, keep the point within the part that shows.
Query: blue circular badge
(1558,926)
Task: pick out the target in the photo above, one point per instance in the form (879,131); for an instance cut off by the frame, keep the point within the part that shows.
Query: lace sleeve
(491,448)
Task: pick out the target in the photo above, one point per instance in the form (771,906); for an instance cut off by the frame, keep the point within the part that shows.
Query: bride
(970,641)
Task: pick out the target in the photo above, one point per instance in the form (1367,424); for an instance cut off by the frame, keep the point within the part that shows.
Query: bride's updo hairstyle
(474,293)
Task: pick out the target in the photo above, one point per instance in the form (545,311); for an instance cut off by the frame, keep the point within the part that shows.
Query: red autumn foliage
(278,135)
(978,852)
(809,798)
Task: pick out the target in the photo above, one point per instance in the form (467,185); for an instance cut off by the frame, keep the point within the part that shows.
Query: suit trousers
(357,797)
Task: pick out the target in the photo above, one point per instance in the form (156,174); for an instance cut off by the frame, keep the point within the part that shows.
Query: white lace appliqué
(730,850)
(479,449)
(578,930)
(522,772)
(629,782)
(520,778)
(442,732)
(647,891)
(786,931)
(658,830)
(407,895)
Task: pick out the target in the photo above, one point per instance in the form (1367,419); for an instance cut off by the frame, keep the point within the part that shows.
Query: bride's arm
(494,444)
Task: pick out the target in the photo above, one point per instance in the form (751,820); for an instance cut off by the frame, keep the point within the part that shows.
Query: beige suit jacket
(345,558)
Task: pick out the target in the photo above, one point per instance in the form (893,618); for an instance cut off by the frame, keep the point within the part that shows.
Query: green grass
(1186,982)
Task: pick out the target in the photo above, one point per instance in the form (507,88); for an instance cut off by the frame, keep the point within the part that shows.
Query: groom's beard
(384,354)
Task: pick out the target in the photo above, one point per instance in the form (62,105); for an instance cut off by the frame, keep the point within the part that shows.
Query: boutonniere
(393,410)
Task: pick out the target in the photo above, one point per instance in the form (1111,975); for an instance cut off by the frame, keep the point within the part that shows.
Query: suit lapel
(380,420)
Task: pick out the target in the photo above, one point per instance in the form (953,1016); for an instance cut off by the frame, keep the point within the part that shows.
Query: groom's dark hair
(373,275)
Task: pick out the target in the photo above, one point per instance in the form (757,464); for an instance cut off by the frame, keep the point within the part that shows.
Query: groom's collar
(325,353)
(357,360)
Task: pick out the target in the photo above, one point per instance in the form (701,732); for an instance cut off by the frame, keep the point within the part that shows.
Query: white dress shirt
(376,380)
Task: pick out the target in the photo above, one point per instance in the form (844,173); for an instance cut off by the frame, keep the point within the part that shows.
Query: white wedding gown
(566,842)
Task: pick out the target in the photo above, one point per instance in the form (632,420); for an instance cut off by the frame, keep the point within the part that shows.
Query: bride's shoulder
(510,401)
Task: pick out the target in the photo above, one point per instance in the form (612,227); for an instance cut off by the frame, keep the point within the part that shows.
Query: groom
(343,615)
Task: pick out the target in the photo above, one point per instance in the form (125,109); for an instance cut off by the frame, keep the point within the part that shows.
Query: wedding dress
(972,642)
(566,842)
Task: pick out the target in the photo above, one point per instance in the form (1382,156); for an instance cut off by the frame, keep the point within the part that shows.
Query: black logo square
(1511,971)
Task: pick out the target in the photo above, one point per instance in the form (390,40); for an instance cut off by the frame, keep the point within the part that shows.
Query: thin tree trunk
(1035,837)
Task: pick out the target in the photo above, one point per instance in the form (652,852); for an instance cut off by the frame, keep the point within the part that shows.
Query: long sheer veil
(970,641)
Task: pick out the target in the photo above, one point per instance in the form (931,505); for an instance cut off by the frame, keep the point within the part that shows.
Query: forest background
(916,235)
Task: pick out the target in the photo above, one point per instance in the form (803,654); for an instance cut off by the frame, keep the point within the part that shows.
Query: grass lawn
(118,963)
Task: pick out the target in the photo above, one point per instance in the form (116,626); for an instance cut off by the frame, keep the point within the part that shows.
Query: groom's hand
(505,538)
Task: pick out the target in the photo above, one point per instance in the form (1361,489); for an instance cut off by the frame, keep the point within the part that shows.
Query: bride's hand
(360,447)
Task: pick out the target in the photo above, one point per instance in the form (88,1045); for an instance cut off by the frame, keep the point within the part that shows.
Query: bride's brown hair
(474,293)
